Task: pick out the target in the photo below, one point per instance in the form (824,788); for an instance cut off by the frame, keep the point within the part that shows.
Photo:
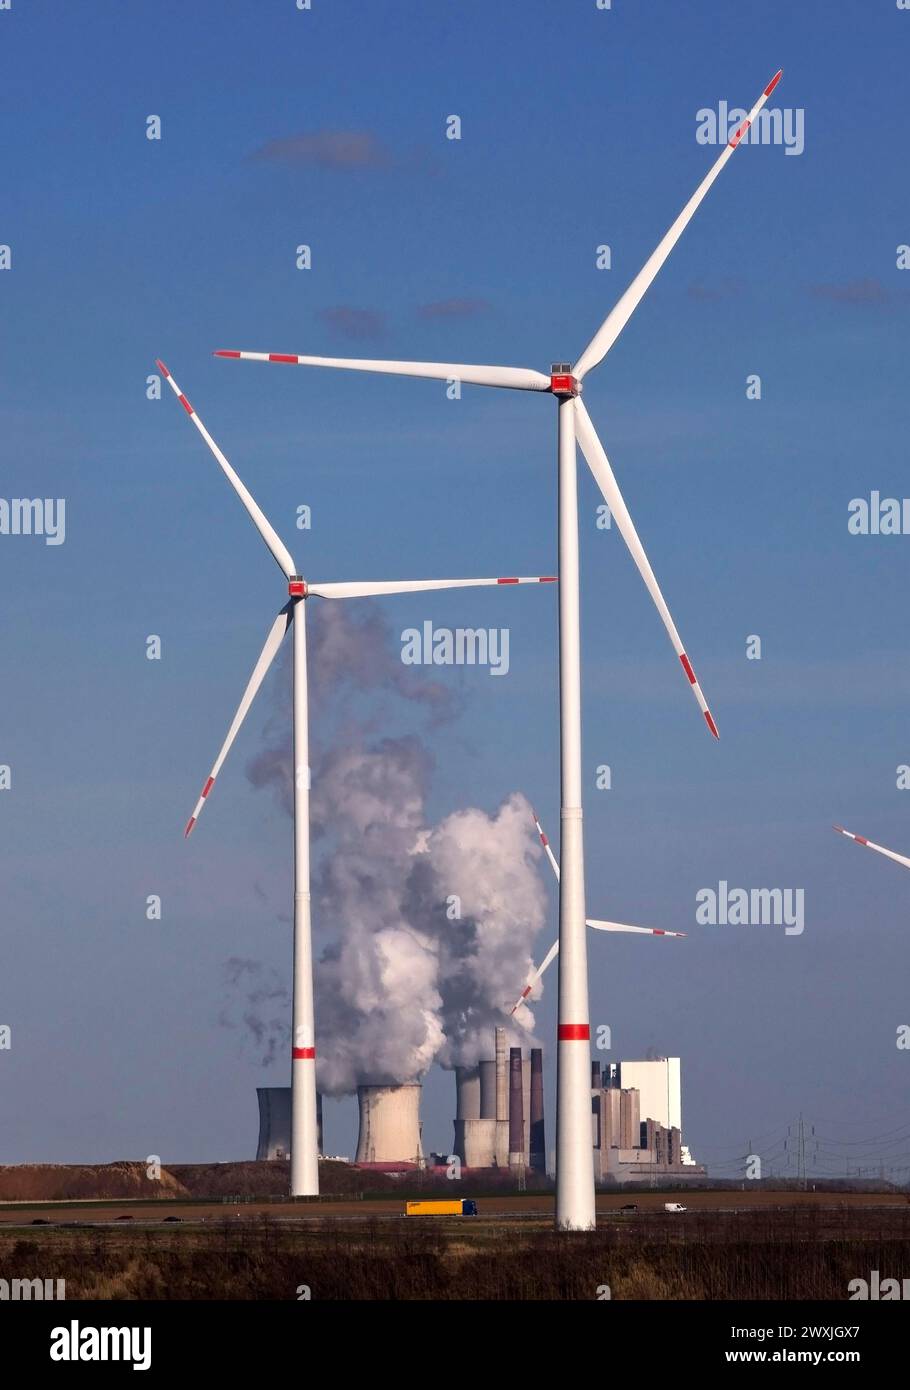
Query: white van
(673,1206)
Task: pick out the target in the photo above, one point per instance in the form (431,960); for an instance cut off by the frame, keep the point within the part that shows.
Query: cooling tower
(389,1124)
(467,1093)
(516,1110)
(487,1090)
(275,1122)
(475,1142)
(537,1152)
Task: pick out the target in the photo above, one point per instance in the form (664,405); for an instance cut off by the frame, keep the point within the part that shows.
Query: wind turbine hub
(297,586)
(562,382)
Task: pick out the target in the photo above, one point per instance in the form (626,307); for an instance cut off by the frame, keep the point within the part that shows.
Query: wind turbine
(304,1165)
(591,922)
(870,844)
(574,1165)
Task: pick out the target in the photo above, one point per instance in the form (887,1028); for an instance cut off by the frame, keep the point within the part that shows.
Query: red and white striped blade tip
(774,81)
(161,367)
(860,839)
(702,702)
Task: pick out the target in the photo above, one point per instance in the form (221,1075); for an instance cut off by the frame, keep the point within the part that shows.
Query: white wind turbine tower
(574,1165)
(593,922)
(304,1165)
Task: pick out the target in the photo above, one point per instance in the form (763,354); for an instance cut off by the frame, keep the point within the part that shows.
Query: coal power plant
(499,1118)
(636,1120)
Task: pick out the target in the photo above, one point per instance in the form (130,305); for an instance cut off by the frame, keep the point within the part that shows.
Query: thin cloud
(358,324)
(453,308)
(713,294)
(344,150)
(859,292)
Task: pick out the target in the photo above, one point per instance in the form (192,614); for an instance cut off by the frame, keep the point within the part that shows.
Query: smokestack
(536,1144)
(595,1076)
(389,1124)
(502,1099)
(516,1110)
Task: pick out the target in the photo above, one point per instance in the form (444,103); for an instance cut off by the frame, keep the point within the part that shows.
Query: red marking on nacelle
(573,1032)
(563,384)
(297,588)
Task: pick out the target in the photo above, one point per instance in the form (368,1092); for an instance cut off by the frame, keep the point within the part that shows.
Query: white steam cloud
(431,927)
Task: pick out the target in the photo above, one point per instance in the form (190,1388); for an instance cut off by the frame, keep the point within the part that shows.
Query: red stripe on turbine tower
(573,1032)
(303,1054)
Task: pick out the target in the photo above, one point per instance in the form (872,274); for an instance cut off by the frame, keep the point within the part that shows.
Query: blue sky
(578,128)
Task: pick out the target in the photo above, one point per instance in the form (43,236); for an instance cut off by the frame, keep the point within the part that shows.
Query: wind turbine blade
(599,464)
(269,651)
(623,926)
(518,378)
(366,589)
(869,844)
(591,922)
(265,528)
(544,840)
(625,307)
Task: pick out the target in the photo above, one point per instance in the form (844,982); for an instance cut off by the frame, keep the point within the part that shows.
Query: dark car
(630,1206)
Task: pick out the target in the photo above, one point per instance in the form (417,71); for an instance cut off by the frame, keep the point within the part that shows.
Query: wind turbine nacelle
(297,586)
(562,382)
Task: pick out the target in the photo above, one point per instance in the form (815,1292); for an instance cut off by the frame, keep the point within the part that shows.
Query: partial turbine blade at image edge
(625,307)
(599,464)
(870,844)
(267,656)
(515,378)
(280,553)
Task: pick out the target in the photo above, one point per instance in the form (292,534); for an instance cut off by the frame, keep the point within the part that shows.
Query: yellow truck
(461,1206)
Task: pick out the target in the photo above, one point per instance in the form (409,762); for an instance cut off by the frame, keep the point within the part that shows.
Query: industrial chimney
(537,1152)
(516,1111)
(389,1125)
(502,1100)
